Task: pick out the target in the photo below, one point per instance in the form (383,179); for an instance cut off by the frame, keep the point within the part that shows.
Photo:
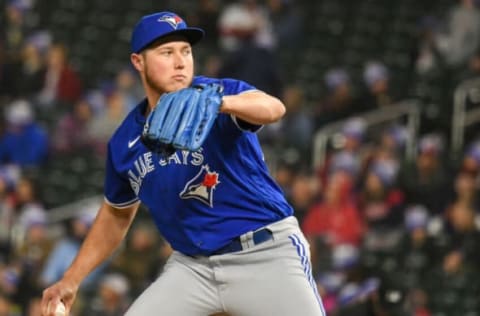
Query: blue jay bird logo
(173,20)
(201,186)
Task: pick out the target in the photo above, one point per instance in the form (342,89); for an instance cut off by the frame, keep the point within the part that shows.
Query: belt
(235,245)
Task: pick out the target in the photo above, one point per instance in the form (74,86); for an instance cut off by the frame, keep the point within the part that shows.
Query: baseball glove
(182,119)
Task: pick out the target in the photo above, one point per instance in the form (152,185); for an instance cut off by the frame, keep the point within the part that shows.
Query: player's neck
(152,99)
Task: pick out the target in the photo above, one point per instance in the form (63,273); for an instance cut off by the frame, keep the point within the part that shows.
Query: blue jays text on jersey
(199,200)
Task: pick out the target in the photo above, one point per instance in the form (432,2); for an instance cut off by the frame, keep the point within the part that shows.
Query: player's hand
(182,119)
(64,292)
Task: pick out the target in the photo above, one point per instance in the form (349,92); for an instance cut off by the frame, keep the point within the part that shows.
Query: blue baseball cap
(154,26)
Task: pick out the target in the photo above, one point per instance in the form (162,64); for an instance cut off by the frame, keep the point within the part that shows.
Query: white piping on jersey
(234,118)
(122,205)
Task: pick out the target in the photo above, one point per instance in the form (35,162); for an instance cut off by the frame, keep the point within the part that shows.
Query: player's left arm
(255,107)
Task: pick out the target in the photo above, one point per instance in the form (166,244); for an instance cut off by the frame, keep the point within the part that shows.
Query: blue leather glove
(182,119)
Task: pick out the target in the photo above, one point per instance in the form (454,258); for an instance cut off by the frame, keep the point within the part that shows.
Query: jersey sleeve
(232,87)
(118,191)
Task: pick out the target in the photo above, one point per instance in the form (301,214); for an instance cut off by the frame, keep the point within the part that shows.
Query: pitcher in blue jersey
(237,247)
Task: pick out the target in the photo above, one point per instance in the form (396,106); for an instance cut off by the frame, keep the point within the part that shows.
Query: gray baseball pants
(272,278)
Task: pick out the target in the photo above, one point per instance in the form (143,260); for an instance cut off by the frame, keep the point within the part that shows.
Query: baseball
(60,310)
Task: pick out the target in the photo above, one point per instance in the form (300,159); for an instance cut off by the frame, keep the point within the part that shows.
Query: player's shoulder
(230,85)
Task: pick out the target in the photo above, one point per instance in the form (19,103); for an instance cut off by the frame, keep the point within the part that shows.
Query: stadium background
(377,153)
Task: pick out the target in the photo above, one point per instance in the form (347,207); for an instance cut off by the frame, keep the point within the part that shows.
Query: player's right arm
(255,107)
(106,234)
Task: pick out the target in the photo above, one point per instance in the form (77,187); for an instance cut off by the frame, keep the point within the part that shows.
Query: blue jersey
(199,200)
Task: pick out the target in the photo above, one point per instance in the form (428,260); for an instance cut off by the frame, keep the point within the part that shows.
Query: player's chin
(174,85)
(179,83)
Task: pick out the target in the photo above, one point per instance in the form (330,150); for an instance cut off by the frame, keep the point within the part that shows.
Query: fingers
(60,310)
(51,298)
(54,308)
(49,306)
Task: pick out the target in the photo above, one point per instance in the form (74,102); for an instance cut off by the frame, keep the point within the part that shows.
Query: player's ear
(137,61)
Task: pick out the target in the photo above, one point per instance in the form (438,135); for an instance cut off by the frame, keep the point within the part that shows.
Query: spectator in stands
(129,87)
(31,253)
(112,297)
(102,126)
(434,79)
(211,66)
(284,173)
(474,66)
(427,60)
(9,277)
(302,194)
(459,238)
(471,159)
(62,83)
(24,143)
(339,102)
(426,181)
(415,256)
(376,77)
(28,207)
(393,140)
(344,274)
(391,298)
(297,125)
(336,218)
(4,86)
(251,62)
(457,276)
(462,36)
(138,259)
(242,20)
(255,64)
(342,160)
(8,177)
(380,203)
(328,284)
(65,250)
(71,132)
(28,74)
(287,24)
(415,250)
(354,132)
(206,17)
(13,30)
(36,245)
(466,190)
(358,299)
(352,154)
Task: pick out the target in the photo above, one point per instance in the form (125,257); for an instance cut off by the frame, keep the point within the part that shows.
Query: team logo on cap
(201,186)
(173,20)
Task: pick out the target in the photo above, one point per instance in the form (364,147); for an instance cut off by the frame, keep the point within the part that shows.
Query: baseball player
(189,152)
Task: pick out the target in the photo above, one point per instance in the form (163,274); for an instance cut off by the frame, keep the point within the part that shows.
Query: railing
(408,108)
(58,215)
(64,212)
(468,90)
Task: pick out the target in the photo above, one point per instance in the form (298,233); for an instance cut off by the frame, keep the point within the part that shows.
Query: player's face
(168,66)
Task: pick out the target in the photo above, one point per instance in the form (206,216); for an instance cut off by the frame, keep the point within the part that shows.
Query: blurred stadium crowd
(392,232)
